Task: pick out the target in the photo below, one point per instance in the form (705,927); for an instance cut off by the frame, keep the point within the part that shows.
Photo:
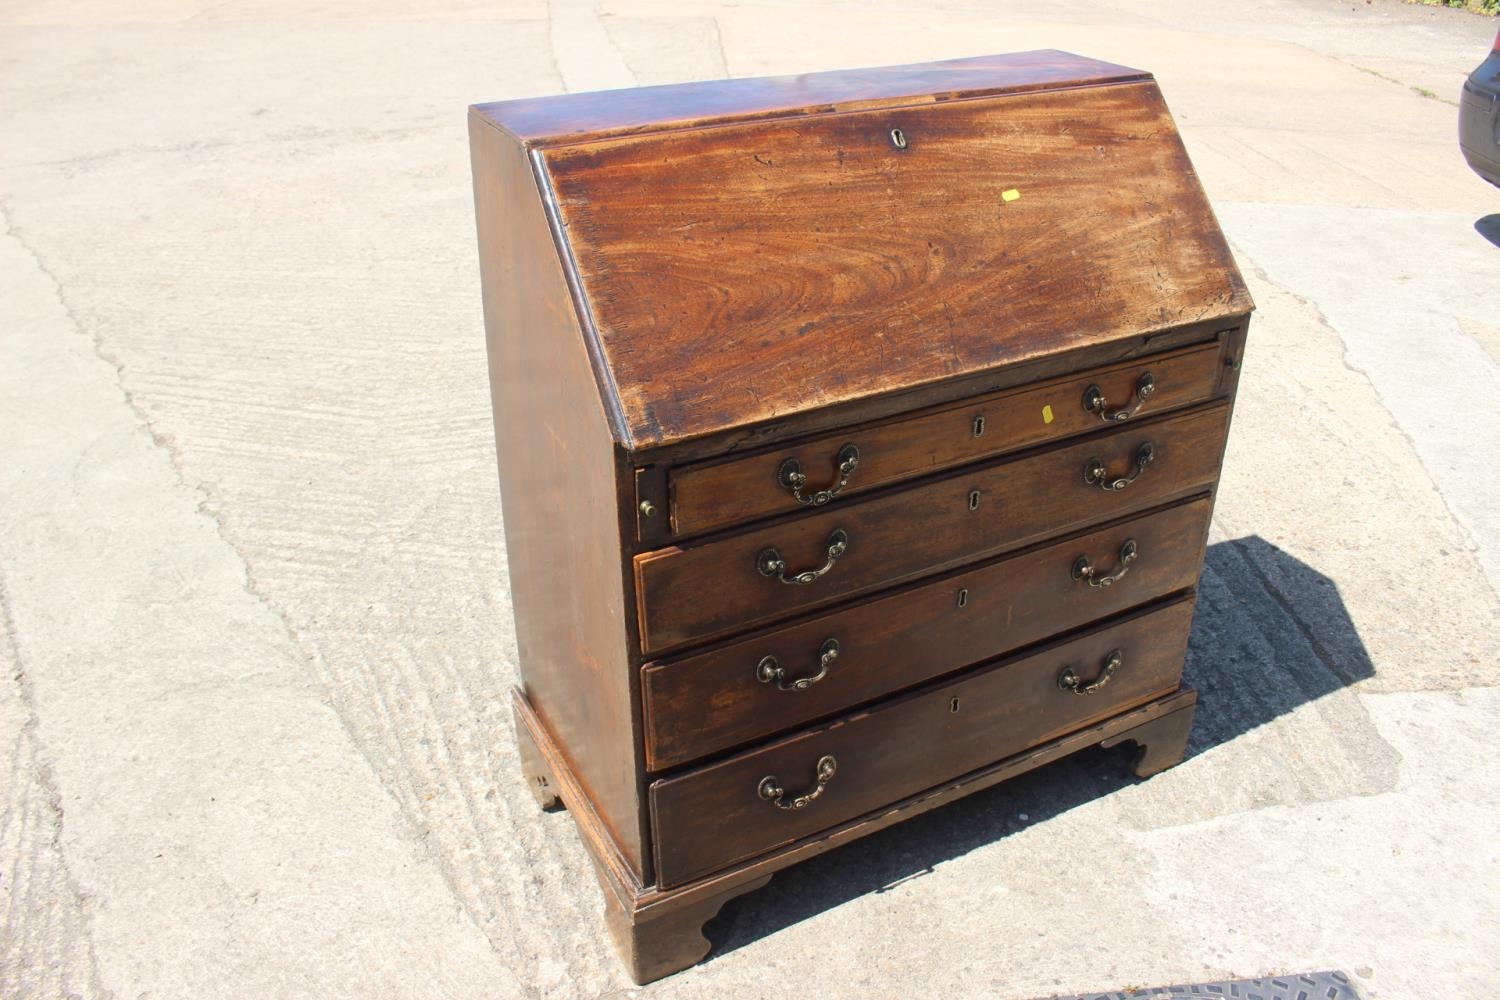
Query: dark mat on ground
(1301,986)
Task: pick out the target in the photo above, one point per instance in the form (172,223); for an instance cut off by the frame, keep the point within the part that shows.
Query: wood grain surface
(739,274)
(561,477)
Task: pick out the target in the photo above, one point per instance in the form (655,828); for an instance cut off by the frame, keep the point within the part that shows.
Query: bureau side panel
(560,480)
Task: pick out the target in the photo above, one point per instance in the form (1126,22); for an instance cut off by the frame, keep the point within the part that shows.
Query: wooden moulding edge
(645,903)
(938,393)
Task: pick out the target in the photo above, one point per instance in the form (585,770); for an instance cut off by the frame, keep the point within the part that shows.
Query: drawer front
(755,688)
(836,466)
(704,590)
(718,815)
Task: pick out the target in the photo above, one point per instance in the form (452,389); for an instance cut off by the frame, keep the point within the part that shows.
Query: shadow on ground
(1250,590)
(1489,228)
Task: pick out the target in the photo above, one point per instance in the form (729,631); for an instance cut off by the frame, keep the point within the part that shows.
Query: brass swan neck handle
(1095,403)
(770,562)
(770,787)
(794,480)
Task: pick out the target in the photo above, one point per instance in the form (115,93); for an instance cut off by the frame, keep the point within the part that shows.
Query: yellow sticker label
(1010,195)
(1047,414)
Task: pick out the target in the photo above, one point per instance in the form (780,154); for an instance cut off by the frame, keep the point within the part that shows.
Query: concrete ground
(257,636)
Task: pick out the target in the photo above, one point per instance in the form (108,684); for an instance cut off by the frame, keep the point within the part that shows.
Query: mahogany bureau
(858,435)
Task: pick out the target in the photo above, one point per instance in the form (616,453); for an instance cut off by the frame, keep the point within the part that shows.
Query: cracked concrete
(254,704)
(196,766)
(44,942)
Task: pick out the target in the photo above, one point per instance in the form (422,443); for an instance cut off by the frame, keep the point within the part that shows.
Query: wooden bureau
(858,436)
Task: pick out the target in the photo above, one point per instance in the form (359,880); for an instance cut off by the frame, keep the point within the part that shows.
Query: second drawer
(757,687)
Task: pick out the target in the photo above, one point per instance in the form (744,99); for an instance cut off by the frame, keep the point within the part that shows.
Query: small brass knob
(647,508)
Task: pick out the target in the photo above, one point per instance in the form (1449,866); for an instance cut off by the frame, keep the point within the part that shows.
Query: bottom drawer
(757,801)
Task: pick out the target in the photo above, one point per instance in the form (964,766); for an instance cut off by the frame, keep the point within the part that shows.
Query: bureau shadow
(1269,634)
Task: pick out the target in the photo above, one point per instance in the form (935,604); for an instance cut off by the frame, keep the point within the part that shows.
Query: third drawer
(754,688)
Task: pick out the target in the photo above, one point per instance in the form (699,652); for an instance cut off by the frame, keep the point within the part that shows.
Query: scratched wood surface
(744,273)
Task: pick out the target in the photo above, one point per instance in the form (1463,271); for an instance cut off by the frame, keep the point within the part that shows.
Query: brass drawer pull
(792,478)
(1094,402)
(1095,474)
(770,670)
(770,563)
(1068,679)
(770,788)
(1085,570)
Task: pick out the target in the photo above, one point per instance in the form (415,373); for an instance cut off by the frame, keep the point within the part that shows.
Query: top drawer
(824,470)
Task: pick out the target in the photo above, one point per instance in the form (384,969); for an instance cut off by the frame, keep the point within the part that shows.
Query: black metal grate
(1304,986)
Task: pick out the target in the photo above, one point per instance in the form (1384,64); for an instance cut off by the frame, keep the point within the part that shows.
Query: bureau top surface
(573,117)
(746,251)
